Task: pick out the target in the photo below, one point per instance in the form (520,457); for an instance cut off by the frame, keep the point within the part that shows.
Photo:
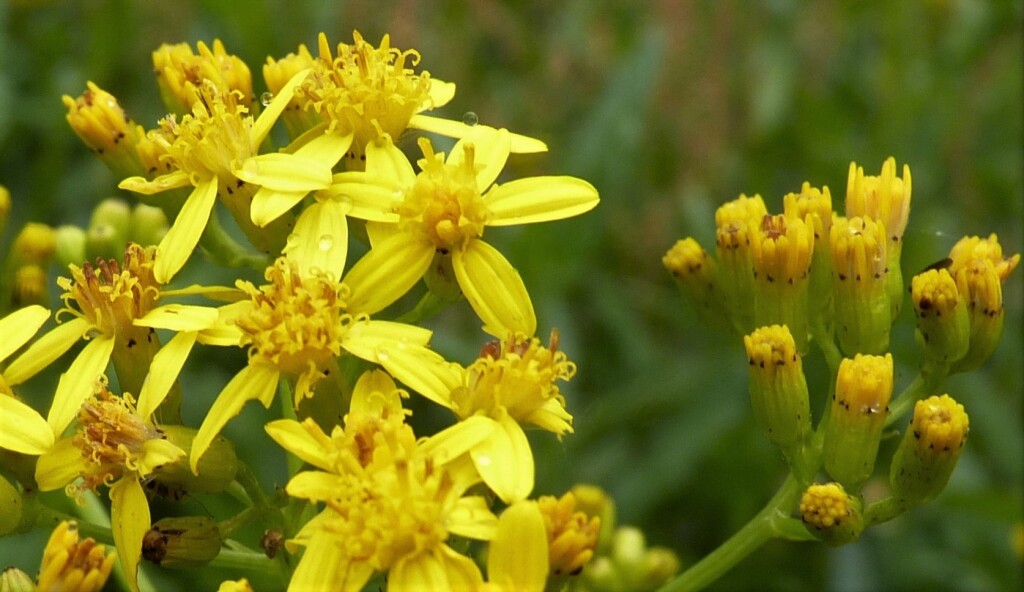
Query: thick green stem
(771,522)
(927,383)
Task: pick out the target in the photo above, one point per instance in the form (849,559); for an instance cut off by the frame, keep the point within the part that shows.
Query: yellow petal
(491,148)
(418,572)
(365,339)
(423,371)
(324,566)
(129,519)
(305,440)
(179,317)
(494,290)
(163,371)
(315,486)
(59,465)
(45,350)
(327,149)
(441,93)
(505,461)
(471,517)
(456,129)
(225,332)
(378,232)
(518,555)
(458,439)
(288,173)
(183,236)
(552,417)
(366,197)
(157,452)
(269,204)
(386,162)
(219,293)
(19,326)
(79,382)
(162,183)
(320,239)
(387,272)
(255,381)
(539,199)
(374,392)
(263,124)
(22,429)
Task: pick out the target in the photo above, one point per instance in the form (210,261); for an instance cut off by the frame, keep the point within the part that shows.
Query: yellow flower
(295,327)
(517,557)
(215,150)
(103,126)
(572,535)
(391,501)
(181,73)
(442,212)
(22,429)
(512,383)
(73,565)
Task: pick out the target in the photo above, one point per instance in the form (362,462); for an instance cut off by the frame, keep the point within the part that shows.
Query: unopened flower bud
(276,73)
(74,565)
(189,541)
(943,327)
(107,234)
(778,389)
(31,286)
(695,273)
(5,207)
(929,450)
(814,206)
(572,535)
(736,222)
(885,198)
(215,471)
(35,244)
(859,269)
(832,514)
(15,580)
(105,128)
(180,74)
(660,565)
(148,225)
(856,418)
(11,504)
(241,585)
(71,242)
(782,249)
(594,501)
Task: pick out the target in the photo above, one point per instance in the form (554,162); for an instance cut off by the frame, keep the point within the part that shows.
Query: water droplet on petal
(382,355)
(266,98)
(483,460)
(325,242)
(251,167)
(470,118)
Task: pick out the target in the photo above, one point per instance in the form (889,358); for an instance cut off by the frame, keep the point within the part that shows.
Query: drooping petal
(378,232)
(19,326)
(320,239)
(183,236)
(491,149)
(424,371)
(22,429)
(45,350)
(456,129)
(458,439)
(387,272)
(163,371)
(440,93)
(375,391)
(255,381)
(158,185)
(551,416)
(269,204)
(289,173)
(326,149)
(130,520)
(79,382)
(386,162)
(416,572)
(505,461)
(316,486)
(494,289)
(261,127)
(59,465)
(157,452)
(365,339)
(305,440)
(539,199)
(225,332)
(367,197)
(472,518)
(325,566)
(517,558)
(179,317)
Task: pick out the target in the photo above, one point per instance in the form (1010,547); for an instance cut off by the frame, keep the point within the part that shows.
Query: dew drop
(483,460)
(251,167)
(382,356)
(325,243)
(470,118)
(266,98)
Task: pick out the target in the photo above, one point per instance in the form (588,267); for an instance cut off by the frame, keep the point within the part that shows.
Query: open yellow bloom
(295,327)
(391,501)
(442,212)
(511,383)
(215,150)
(180,73)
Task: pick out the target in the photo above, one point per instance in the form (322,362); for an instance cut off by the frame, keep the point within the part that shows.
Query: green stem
(773,521)
(884,510)
(224,250)
(247,562)
(928,382)
(428,306)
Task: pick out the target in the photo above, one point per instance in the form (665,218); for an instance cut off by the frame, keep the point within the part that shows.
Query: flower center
(112,295)
(444,205)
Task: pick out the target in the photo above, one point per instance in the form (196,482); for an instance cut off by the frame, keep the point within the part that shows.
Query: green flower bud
(929,450)
(782,249)
(31,286)
(11,504)
(107,234)
(189,541)
(943,327)
(71,241)
(778,389)
(35,244)
(856,418)
(660,565)
(833,515)
(695,273)
(5,207)
(215,471)
(736,222)
(148,225)
(594,501)
(860,267)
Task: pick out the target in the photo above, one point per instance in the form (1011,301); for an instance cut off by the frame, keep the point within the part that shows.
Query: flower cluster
(323,332)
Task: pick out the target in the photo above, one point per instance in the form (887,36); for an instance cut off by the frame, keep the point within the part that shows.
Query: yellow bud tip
(940,426)
(74,565)
(813,205)
(885,197)
(970,248)
(864,385)
(826,506)
(769,347)
(934,293)
(742,210)
(572,535)
(685,258)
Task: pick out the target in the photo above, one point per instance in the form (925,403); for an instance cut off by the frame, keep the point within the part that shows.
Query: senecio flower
(442,213)
(513,382)
(392,501)
(73,564)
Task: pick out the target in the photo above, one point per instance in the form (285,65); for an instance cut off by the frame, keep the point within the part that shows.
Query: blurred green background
(669,109)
